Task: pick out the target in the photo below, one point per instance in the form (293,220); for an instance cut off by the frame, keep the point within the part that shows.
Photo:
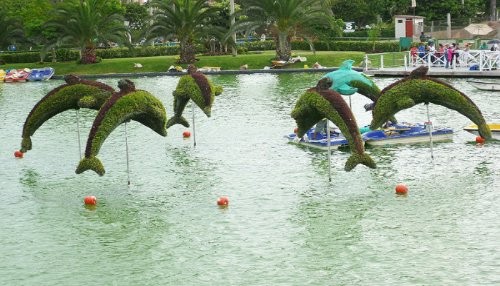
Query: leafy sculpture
(193,86)
(419,88)
(75,94)
(321,102)
(127,104)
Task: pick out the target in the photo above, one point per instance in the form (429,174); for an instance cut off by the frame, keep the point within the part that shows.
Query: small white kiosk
(408,26)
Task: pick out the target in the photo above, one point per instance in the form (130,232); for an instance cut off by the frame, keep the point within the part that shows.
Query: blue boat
(398,133)
(41,74)
(407,133)
(319,140)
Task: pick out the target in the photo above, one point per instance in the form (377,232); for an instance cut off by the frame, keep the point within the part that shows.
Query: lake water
(286,224)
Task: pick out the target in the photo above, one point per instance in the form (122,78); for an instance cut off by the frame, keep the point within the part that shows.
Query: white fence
(476,59)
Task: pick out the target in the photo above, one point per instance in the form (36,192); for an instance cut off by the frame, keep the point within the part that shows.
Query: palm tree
(87,25)
(10,30)
(187,21)
(285,19)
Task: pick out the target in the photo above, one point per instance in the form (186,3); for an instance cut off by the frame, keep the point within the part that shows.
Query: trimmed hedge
(61,99)
(138,105)
(315,105)
(66,55)
(408,92)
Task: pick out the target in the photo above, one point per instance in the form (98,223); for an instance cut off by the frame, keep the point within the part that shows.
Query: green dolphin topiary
(75,94)
(197,87)
(322,102)
(419,88)
(128,104)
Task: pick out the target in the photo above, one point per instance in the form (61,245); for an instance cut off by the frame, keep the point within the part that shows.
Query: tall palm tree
(86,25)
(285,19)
(185,20)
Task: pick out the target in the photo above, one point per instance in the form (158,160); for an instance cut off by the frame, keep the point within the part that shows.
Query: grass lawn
(226,62)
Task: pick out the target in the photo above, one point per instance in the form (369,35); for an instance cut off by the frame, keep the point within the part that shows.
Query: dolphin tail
(356,159)
(26,144)
(92,163)
(177,120)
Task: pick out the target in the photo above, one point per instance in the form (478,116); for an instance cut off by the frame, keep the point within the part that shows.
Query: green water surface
(286,224)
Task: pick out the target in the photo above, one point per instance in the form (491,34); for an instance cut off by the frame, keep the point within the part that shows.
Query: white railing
(480,59)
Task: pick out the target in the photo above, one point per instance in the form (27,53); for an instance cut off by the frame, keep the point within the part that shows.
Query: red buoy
(186,134)
(18,154)
(480,140)
(401,189)
(90,200)
(223,201)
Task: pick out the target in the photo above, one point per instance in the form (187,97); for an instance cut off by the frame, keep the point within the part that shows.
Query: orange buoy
(223,201)
(480,140)
(401,189)
(186,134)
(90,200)
(18,154)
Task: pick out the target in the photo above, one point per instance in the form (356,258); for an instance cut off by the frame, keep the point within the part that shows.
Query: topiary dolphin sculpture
(75,94)
(321,102)
(127,104)
(193,86)
(419,88)
(347,81)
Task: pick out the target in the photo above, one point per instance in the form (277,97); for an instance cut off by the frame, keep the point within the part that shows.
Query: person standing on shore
(448,54)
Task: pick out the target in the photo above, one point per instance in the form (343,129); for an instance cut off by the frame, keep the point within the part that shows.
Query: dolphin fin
(177,120)
(92,163)
(347,90)
(356,159)
(26,144)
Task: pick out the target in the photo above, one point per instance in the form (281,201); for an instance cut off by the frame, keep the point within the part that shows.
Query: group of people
(444,55)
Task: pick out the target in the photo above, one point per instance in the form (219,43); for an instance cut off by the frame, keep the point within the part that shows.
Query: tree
(357,11)
(10,30)
(285,19)
(493,10)
(187,21)
(138,18)
(87,24)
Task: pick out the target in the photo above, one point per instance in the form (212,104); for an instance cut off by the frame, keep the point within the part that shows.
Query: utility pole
(493,10)
(231,11)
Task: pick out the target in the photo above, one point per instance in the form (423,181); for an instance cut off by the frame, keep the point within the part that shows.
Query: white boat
(485,85)
(319,140)
(494,127)
(406,133)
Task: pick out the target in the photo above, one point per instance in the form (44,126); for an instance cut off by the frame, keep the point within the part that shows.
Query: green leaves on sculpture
(419,88)
(75,94)
(322,102)
(128,104)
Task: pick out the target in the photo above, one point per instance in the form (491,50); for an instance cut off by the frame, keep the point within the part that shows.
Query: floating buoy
(480,140)
(186,134)
(401,189)
(295,130)
(18,154)
(223,201)
(90,200)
